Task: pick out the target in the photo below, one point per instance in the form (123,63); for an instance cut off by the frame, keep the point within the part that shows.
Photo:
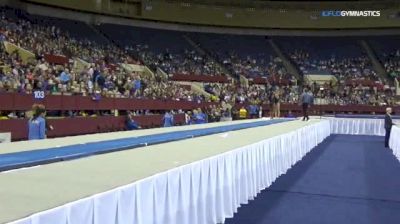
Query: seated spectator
(65,77)
(97,95)
(188,118)
(131,124)
(290,115)
(226,115)
(242,113)
(200,117)
(168,119)
(3,116)
(253,110)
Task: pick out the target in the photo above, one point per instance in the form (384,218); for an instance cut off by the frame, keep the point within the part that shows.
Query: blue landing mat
(17,160)
(346,179)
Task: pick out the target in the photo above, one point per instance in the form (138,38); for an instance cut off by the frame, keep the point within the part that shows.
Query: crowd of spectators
(342,68)
(392,64)
(100,79)
(234,94)
(187,62)
(330,93)
(48,39)
(97,81)
(357,82)
(251,67)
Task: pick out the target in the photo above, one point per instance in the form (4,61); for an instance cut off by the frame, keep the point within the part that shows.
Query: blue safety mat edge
(10,161)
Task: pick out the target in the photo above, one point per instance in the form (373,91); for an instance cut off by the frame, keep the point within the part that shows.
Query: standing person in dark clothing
(306,100)
(388,125)
(277,104)
(100,81)
(272,101)
(95,72)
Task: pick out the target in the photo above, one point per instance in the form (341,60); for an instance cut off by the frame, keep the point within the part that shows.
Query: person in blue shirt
(96,95)
(290,115)
(168,119)
(200,117)
(37,124)
(131,124)
(253,109)
(65,77)
(138,84)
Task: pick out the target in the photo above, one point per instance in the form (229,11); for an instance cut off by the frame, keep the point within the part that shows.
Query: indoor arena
(199,112)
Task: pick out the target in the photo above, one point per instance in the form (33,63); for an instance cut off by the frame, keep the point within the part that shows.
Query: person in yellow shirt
(214,98)
(242,113)
(83,114)
(3,117)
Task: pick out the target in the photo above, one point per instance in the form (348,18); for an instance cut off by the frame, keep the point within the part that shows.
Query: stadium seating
(387,50)
(103,51)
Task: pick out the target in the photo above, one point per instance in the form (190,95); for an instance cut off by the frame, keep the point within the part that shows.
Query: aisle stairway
(203,51)
(290,67)
(377,65)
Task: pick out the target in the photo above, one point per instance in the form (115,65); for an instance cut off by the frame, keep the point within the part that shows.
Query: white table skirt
(206,191)
(357,126)
(394,141)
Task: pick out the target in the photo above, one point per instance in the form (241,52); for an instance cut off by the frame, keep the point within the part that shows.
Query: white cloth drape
(357,126)
(394,141)
(206,191)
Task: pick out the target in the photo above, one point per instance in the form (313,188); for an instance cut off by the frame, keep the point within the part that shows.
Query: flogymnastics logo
(345,13)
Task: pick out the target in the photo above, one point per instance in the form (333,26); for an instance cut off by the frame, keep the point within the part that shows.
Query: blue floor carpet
(345,180)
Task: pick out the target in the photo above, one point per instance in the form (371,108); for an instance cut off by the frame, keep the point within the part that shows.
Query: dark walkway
(345,180)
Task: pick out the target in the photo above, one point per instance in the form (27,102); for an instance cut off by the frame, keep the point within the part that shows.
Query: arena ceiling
(300,4)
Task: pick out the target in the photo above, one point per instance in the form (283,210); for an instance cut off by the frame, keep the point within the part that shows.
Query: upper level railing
(16,101)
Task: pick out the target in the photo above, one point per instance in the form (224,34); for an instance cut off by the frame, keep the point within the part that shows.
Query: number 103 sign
(38,94)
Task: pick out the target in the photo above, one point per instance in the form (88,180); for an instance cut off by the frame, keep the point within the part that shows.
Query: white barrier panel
(394,141)
(5,137)
(357,126)
(206,191)
(363,126)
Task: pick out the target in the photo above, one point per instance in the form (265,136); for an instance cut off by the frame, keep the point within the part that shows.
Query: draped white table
(364,126)
(357,126)
(394,141)
(206,191)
